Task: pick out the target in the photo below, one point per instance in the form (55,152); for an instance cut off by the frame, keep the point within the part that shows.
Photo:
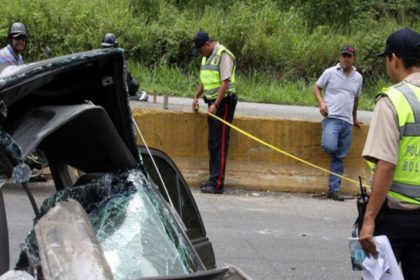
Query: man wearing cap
(342,86)
(12,55)
(217,85)
(110,40)
(393,145)
(17,40)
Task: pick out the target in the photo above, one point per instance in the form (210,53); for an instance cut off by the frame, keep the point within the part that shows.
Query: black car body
(75,110)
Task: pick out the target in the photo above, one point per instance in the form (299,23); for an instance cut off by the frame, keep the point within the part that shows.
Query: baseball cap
(348,49)
(403,43)
(17,29)
(199,40)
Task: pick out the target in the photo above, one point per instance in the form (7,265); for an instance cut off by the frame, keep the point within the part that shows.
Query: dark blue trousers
(218,140)
(402,227)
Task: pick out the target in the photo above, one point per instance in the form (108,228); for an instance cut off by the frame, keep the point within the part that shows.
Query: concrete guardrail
(250,165)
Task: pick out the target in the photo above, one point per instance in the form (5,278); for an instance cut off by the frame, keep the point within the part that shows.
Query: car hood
(94,77)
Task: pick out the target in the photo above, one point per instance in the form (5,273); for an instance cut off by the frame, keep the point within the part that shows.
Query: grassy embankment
(281,46)
(255,87)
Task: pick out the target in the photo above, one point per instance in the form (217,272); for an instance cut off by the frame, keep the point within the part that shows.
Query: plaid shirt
(8,56)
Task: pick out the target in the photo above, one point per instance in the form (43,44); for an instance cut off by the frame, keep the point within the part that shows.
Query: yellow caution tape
(283,152)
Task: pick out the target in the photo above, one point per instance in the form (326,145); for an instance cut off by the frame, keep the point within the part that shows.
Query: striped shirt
(9,57)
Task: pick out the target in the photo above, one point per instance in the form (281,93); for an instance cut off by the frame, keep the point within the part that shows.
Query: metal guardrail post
(165,102)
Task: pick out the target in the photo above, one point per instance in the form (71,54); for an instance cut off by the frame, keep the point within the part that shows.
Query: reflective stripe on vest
(210,73)
(406,181)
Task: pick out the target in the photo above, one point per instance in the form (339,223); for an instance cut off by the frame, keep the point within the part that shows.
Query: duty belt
(211,100)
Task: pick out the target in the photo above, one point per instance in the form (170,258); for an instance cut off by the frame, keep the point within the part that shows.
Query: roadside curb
(182,134)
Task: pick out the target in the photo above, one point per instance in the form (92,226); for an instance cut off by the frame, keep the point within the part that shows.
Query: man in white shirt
(342,86)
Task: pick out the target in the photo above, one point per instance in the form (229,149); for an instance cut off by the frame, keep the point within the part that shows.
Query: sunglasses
(346,55)
(21,38)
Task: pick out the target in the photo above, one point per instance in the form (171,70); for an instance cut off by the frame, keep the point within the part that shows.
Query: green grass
(255,87)
(270,36)
(281,45)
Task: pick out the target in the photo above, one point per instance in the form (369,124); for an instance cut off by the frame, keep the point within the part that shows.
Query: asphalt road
(269,236)
(286,112)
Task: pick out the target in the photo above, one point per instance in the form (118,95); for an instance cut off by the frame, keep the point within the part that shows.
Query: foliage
(282,41)
(336,13)
(255,87)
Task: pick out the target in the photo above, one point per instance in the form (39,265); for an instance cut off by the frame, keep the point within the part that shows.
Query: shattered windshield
(138,233)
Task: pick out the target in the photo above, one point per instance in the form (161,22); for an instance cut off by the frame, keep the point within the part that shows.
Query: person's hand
(323,109)
(212,109)
(357,124)
(366,238)
(195,105)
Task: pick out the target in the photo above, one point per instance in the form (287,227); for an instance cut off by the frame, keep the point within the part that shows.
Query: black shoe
(211,189)
(205,183)
(335,196)
(38,178)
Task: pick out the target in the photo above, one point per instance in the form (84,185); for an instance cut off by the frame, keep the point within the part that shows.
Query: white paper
(385,266)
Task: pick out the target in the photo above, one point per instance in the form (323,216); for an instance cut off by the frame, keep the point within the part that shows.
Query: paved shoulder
(304,113)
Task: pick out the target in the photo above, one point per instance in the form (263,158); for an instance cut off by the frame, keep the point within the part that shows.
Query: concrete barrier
(251,165)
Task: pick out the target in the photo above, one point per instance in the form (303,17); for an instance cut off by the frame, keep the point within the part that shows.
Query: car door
(182,199)
(4,237)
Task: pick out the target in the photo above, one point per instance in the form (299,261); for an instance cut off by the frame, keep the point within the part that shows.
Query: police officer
(110,40)
(217,83)
(393,145)
(17,39)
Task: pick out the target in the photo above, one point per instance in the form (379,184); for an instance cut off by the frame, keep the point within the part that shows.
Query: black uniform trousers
(402,227)
(218,140)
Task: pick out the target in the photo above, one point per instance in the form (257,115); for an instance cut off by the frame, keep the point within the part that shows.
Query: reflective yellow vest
(210,74)
(406,183)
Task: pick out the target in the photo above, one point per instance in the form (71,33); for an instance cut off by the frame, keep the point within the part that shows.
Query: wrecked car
(128,204)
